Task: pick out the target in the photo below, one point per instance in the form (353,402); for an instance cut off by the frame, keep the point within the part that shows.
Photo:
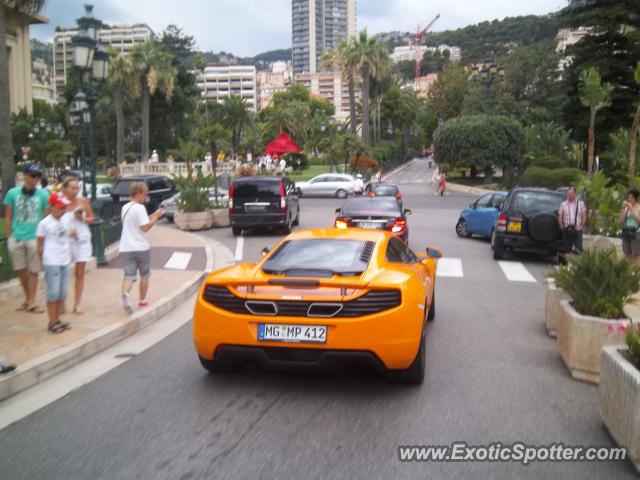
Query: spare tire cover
(544,228)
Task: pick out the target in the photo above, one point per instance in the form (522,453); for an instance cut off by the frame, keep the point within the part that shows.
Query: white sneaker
(126,304)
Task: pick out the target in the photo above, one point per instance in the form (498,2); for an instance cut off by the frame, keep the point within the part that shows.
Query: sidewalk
(179,261)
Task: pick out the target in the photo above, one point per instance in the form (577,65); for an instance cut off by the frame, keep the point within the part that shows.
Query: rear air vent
(324,310)
(262,308)
(367,251)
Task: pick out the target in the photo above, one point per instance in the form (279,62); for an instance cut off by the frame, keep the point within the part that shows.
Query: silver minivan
(328,185)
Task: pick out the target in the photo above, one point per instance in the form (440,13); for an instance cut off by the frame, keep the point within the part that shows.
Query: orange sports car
(321,299)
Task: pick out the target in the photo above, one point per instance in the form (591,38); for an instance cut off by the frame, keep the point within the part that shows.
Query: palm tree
(279,119)
(120,71)
(6,147)
(595,95)
(633,144)
(372,59)
(237,117)
(342,58)
(153,72)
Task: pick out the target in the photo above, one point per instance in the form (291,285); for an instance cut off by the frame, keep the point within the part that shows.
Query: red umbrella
(281,145)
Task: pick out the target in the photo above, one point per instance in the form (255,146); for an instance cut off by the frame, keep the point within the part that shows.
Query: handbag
(629,233)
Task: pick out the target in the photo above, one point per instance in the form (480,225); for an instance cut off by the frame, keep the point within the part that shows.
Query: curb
(465,189)
(41,368)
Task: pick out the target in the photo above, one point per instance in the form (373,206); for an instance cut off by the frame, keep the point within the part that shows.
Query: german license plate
(373,225)
(255,208)
(514,227)
(269,332)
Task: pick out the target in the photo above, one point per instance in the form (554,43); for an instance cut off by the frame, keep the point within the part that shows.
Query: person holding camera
(630,221)
(571,217)
(77,218)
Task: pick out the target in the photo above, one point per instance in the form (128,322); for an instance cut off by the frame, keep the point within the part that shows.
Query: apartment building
(276,79)
(42,86)
(565,38)
(318,26)
(408,52)
(221,81)
(331,87)
(121,38)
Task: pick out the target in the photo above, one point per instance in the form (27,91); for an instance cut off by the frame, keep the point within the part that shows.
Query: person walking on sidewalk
(135,251)
(53,248)
(78,216)
(24,207)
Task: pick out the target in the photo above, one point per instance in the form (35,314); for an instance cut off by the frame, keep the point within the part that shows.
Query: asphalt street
(493,375)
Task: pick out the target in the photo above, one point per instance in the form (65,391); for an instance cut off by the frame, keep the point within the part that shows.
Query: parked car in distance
(103,191)
(170,205)
(328,185)
(160,188)
(480,217)
(528,222)
(263,202)
(386,190)
(374,213)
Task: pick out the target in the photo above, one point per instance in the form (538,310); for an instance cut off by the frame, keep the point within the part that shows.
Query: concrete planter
(600,242)
(580,340)
(618,400)
(193,221)
(220,217)
(552,307)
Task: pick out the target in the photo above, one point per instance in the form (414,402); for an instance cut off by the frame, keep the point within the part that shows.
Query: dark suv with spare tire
(528,222)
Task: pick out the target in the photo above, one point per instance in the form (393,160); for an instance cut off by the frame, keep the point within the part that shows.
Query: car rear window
(122,187)
(338,256)
(528,203)
(371,206)
(257,189)
(388,190)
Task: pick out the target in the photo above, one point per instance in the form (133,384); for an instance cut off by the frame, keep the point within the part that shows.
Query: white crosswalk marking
(178,261)
(239,249)
(516,272)
(449,267)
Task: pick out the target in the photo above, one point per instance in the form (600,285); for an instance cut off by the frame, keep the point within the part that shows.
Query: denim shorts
(134,262)
(57,278)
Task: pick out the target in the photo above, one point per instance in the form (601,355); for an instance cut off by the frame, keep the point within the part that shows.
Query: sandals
(34,309)
(58,327)
(22,307)
(77,310)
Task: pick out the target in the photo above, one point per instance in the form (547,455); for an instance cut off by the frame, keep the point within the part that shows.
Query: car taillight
(398,196)
(283,198)
(372,194)
(342,223)
(231,198)
(502,222)
(398,226)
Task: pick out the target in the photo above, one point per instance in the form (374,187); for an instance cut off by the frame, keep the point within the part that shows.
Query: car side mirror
(265,251)
(433,253)
(407,211)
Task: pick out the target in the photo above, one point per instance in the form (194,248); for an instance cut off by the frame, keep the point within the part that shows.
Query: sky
(249,27)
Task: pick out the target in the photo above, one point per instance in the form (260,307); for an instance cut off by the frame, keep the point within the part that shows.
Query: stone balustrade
(168,168)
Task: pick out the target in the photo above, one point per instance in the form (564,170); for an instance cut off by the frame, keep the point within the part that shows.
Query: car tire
(296,222)
(498,247)
(236,231)
(216,367)
(461,229)
(414,374)
(287,227)
(431,316)
(341,193)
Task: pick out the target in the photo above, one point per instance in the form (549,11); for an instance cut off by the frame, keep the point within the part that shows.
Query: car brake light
(341,223)
(398,226)
(231,198)
(372,194)
(399,196)
(283,198)
(502,222)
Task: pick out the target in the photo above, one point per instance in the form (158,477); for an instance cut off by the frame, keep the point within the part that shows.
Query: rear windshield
(371,206)
(388,190)
(257,189)
(528,203)
(338,256)
(122,187)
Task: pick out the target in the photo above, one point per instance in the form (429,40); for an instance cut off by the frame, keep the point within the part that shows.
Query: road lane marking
(449,267)
(239,249)
(178,261)
(516,272)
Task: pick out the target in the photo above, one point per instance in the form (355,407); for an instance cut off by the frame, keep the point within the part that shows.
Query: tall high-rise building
(318,25)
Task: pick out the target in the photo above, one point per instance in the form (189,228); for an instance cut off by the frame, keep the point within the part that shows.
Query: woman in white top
(78,216)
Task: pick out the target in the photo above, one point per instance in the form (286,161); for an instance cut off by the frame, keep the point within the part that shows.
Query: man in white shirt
(134,246)
(283,165)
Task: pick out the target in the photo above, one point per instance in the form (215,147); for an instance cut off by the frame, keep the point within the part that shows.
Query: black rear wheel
(498,246)
(431,316)
(415,373)
(236,231)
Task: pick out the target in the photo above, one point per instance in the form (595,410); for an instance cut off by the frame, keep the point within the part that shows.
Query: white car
(103,190)
(329,185)
(170,205)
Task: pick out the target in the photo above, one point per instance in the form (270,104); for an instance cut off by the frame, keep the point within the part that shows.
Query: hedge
(545,178)
(550,162)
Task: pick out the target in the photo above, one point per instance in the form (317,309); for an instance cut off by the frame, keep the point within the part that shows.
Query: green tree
(237,117)
(594,95)
(448,92)
(633,141)
(6,147)
(153,72)
(343,58)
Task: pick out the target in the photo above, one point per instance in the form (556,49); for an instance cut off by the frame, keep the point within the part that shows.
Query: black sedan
(379,213)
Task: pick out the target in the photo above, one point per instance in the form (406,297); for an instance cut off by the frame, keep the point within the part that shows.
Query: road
(493,375)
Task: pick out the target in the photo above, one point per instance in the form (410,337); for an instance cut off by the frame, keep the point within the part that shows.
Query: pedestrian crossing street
(512,271)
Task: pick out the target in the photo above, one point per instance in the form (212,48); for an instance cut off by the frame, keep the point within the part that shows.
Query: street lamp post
(487,74)
(79,113)
(92,62)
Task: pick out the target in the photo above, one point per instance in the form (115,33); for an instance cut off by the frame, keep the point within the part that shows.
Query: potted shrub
(193,204)
(598,285)
(619,392)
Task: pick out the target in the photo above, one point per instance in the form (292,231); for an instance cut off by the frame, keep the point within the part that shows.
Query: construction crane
(417,41)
